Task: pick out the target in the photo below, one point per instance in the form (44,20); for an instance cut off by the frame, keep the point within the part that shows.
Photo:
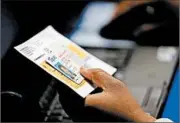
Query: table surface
(171,109)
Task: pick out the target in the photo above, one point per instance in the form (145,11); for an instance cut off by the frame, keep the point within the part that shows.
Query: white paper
(166,54)
(62,58)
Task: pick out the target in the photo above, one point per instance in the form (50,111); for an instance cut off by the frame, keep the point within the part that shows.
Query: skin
(126,5)
(115,98)
(174,3)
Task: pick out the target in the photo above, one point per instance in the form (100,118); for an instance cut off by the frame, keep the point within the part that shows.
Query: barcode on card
(28,51)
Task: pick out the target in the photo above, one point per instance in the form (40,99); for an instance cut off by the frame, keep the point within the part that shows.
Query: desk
(171,109)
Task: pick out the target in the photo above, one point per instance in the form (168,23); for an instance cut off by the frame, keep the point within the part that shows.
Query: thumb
(97,76)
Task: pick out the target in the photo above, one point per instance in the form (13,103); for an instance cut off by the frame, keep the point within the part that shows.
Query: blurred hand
(125,5)
(175,3)
(115,97)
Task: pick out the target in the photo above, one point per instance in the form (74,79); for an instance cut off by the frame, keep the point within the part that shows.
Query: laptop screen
(170,108)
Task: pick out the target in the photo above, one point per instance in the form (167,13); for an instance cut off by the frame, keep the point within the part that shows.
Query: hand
(126,5)
(175,3)
(115,97)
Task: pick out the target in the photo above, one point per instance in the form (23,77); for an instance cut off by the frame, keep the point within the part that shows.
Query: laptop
(170,106)
(138,66)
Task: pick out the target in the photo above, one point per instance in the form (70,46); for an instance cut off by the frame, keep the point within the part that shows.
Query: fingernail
(83,69)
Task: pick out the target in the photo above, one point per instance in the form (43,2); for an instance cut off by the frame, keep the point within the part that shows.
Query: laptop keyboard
(117,58)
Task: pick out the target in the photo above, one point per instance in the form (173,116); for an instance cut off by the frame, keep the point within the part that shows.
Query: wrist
(135,113)
(143,117)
